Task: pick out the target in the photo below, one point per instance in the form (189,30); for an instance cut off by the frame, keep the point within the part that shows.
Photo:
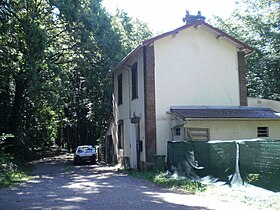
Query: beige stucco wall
(192,67)
(259,102)
(131,108)
(236,129)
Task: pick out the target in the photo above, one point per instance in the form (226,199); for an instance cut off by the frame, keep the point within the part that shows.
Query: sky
(166,15)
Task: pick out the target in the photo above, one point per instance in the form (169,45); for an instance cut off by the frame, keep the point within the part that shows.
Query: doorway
(136,145)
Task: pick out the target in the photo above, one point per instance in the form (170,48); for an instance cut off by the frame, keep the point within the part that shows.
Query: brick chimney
(190,18)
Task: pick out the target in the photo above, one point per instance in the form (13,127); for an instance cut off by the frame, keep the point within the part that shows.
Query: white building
(186,83)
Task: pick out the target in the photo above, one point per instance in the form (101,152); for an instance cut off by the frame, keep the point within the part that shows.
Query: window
(178,132)
(262,131)
(120,135)
(134,76)
(120,91)
(201,134)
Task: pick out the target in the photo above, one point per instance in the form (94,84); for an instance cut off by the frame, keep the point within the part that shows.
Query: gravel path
(58,184)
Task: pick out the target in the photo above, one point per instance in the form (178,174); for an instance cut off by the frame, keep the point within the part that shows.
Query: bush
(10,172)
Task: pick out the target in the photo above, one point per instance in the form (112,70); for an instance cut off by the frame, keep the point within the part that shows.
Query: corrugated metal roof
(224,112)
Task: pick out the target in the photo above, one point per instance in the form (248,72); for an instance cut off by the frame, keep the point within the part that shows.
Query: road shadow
(59,184)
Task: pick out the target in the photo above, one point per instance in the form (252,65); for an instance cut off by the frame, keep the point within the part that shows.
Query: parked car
(85,153)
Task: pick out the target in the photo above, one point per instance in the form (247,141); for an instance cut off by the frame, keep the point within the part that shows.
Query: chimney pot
(190,18)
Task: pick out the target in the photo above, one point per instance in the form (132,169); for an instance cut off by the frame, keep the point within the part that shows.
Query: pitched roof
(210,29)
(224,112)
(199,23)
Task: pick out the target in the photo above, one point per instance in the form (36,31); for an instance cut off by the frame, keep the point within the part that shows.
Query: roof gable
(210,29)
(199,23)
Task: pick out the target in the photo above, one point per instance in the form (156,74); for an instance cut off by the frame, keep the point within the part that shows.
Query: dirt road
(58,184)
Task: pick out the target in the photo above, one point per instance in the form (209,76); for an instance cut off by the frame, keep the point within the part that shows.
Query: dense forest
(54,61)
(55,56)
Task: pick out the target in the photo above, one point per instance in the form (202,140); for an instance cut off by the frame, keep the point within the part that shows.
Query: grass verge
(12,172)
(165,180)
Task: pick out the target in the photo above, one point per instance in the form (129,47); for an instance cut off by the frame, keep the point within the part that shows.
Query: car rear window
(85,149)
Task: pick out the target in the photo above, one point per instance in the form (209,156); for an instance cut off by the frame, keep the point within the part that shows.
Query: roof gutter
(232,119)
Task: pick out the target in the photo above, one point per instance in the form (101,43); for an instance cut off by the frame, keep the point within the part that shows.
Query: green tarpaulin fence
(258,160)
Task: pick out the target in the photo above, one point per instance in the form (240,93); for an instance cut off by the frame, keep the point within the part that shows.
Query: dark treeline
(54,60)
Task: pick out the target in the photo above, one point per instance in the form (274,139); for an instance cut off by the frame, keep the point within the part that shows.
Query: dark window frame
(177,131)
(120,135)
(262,132)
(134,81)
(120,89)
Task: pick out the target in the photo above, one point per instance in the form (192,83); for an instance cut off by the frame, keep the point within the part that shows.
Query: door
(138,144)
(133,146)
(110,150)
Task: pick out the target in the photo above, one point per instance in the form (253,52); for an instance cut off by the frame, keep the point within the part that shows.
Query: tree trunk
(14,120)
(15,117)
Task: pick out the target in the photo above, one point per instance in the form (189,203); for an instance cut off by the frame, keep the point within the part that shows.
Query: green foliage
(130,30)
(252,178)
(54,60)
(92,50)
(257,24)
(11,173)
(4,136)
(167,181)
(26,44)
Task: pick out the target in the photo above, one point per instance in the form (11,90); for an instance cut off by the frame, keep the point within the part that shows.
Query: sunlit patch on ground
(74,199)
